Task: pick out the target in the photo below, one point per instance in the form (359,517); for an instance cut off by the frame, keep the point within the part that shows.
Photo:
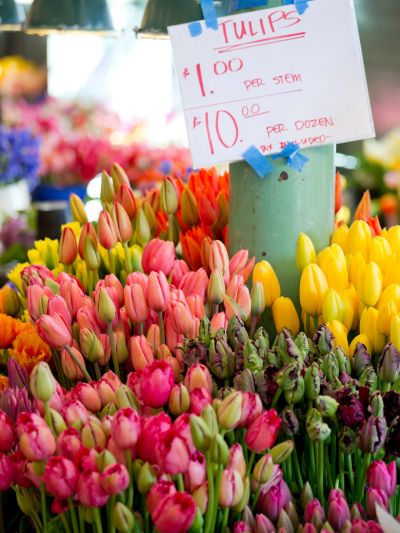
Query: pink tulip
(239,265)
(57,305)
(181,317)
(112,282)
(86,461)
(236,459)
(115,479)
(72,293)
(157,494)
(262,524)
(105,354)
(90,490)
(198,376)
(7,433)
(141,352)
(195,283)
(69,443)
(182,428)
(135,303)
(7,472)
(219,321)
(88,396)
(36,275)
(35,299)
(242,527)
(195,474)
(74,411)
(312,509)
(153,336)
(138,277)
(310,528)
(199,398)
(172,453)
(382,476)
(152,429)
(60,477)
(35,438)
(234,285)
(122,223)
(251,408)
(179,269)
(219,259)
(272,500)
(87,319)
(54,331)
(244,300)
(158,256)
(175,513)
(362,526)
(376,497)
(107,389)
(196,306)
(19,465)
(231,491)
(156,382)
(158,292)
(70,368)
(125,428)
(173,338)
(106,231)
(262,432)
(338,509)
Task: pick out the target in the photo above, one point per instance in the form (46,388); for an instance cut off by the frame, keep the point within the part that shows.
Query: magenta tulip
(115,479)
(175,513)
(69,443)
(382,476)
(151,431)
(157,494)
(7,472)
(7,433)
(338,509)
(35,438)
(376,497)
(60,477)
(172,453)
(156,383)
(90,490)
(271,501)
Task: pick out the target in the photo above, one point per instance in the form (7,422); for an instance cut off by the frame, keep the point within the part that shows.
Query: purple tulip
(338,509)
(271,502)
(376,497)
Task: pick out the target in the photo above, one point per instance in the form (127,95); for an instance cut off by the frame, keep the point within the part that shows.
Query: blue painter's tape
(209,13)
(295,159)
(298,162)
(195,28)
(258,162)
(237,5)
(301,5)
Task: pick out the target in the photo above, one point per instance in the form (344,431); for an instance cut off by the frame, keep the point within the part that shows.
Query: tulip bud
(106,231)
(389,364)
(306,495)
(179,400)
(290,423)
(312,382)
(152,219)
(209,416)
(284,522)
(90,253)
(282,451)
(105,306)
(124,397)
(200,432)
(91,345)
(216,288)
(285,315)
(376,497)
(219,451)
(231,488)
(119,176)
(146,478)
(257,299)
(77,209)
(42,383)
(92,435)
(230,410)
(313,287)
(57,422)
(326,405)
(67,247)
(333,307)
(263,524)
(359,238)
(106,191)
(264,469)
(369,284)
(372,434)
(169,201)
(361,359)
(264,273)
(122,223)
(305,252)
(122,518)
(189,210)
(143,232)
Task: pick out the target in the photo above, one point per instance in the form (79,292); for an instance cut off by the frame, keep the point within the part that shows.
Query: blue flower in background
(19,156)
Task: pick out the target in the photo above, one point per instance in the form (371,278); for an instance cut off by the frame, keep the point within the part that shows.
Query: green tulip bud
(369,379)
(230,411)
(57,422)
(146,478)
(219,450)
(106,191)
(376,404)
(306,495)
(296,394)
(201,434)
(209,416)
(312,382)
(284,522)
(347,441)
(42,383)
(257,299)
(124,397)
(264,469)
(169,201)
(239,508)
(326,405)
(122,518)
(252,360)
(287,377)
(330,366)
(282,451)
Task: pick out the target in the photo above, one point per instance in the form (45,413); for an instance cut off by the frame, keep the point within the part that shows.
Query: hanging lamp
(11,15)
(159,14)
(49,16)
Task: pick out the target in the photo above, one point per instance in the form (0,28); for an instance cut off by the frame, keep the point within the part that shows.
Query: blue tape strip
(209,13)
(258,162)
(195,28)
(237,5)
(301,5)
(295,159)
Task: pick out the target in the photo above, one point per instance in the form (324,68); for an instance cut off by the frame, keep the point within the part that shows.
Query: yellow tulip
(313,286)
(45,253)
(395,331)
(359,238)
(355,265)
(393,238)
(369,326)
(285,315)
(350,316)
(363,339)
(305,251)
(333,263)
(340,237)
(392,273)
(385,315)
(379,252)
(390,294)
(14,276)
(369,286)
(264,272)
(333,306)
(340,334)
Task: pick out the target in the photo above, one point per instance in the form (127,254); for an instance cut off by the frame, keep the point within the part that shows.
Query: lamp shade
(11,15)
(48,16)
(159,14)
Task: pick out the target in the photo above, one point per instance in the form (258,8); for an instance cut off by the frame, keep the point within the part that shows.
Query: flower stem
(71,507)
(320,470)
(211,497)
(130,488)
(112,262)
(48,418)
(44,507)
(362,478)
(162,328)
(250,463)
(110,508)
(350,473)
(97,520)
(171,228)
(297,470)
(110,333)
(253,324)
(179,480)
(97,371)
(276,397)
(81,368)
(81,520)
(341,470)
(65,522)
(127,258)
(225,517)
(217,493)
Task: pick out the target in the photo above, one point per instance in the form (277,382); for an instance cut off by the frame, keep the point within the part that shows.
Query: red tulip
(158,256)
(262,432)
(90,490)
(115,479)
(125,428)
(175,513)
(60,477)
(54,331)
(151,431)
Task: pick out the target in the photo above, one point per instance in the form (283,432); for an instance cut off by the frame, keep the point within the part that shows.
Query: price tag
(270,77)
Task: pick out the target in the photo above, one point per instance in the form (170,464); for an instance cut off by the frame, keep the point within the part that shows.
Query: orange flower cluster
(22,342)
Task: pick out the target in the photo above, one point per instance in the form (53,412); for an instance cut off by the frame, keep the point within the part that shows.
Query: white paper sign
(272,76)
